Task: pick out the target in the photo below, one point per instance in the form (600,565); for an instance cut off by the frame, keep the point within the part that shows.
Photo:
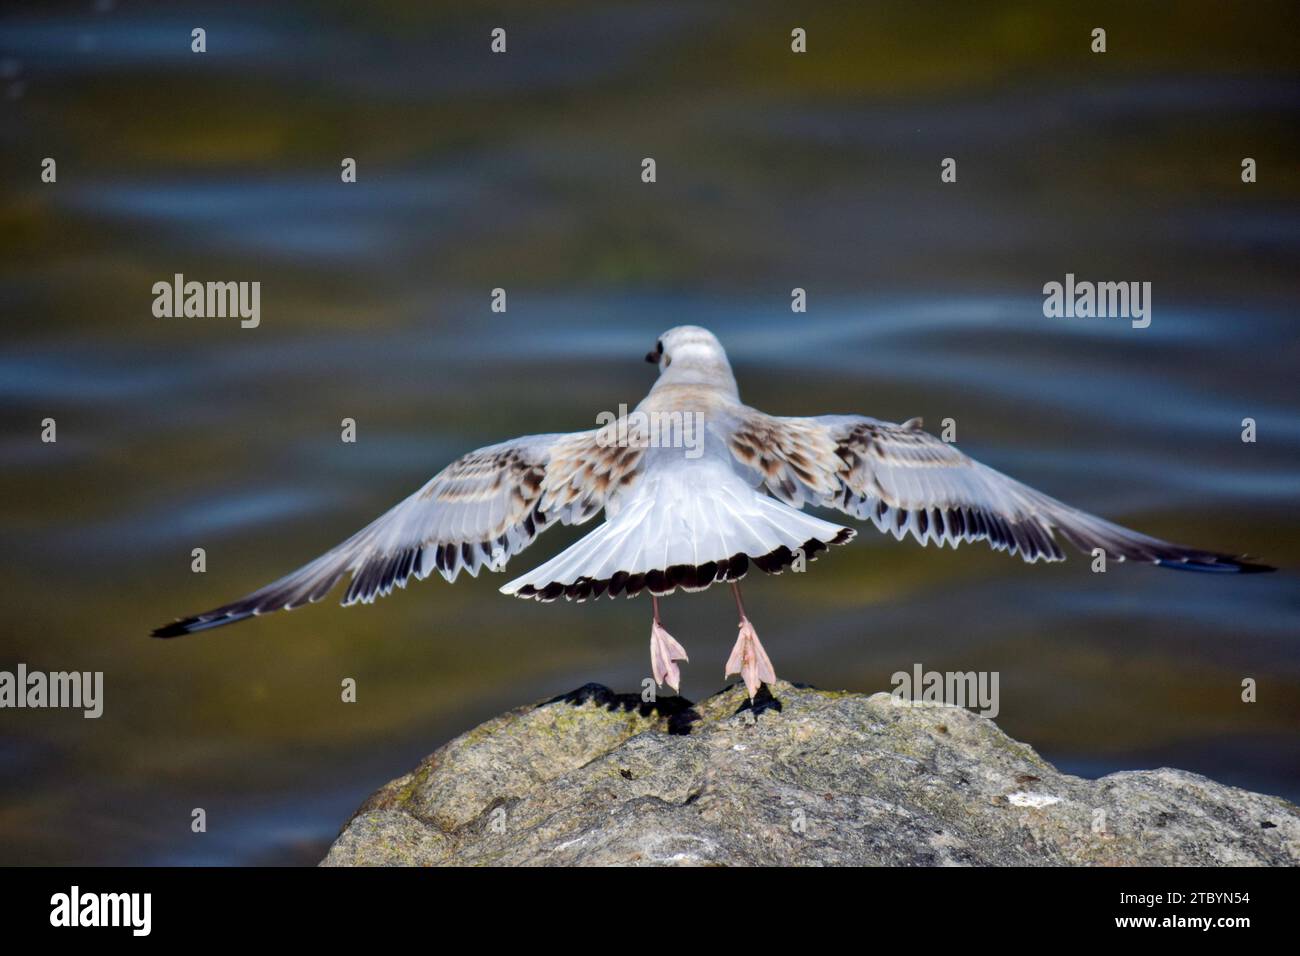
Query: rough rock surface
(804,777)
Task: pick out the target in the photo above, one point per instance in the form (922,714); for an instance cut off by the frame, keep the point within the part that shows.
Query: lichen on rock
(801,776)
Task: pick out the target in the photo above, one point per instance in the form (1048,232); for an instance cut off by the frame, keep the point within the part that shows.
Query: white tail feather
(676,519)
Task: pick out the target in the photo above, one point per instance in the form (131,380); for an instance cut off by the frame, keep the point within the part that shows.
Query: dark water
(522,171)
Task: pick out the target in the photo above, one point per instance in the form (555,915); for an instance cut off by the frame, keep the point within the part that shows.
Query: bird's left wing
(906,481)
(478,512)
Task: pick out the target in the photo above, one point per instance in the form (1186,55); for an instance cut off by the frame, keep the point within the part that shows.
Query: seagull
(696,488)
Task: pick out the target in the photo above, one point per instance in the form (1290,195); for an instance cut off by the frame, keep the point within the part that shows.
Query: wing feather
(906,481)
(478,512)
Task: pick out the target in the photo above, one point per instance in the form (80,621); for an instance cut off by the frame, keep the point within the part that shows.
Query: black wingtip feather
(218,617)
(1221,565)
(193,625)
(174,629)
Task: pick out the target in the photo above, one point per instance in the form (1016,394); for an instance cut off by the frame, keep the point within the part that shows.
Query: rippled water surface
(522,172)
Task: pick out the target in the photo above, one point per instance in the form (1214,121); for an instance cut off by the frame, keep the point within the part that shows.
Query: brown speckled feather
(478,512)
(906,481)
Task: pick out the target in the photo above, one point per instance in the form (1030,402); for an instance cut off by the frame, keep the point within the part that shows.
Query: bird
(697,488)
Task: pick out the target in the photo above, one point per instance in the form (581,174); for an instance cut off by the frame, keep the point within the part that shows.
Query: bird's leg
(748,659)
(664,653)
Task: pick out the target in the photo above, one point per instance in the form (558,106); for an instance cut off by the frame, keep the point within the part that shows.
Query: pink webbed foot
(664,654)
(749,660)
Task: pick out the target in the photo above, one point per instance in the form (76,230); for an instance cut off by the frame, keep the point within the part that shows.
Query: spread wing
(907,481)
(478,512)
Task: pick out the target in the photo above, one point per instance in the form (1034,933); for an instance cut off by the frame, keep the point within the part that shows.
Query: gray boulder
(803,777)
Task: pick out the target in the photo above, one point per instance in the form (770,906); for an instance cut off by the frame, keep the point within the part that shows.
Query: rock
(805,777)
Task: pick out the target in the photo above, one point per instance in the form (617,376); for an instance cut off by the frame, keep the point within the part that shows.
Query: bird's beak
(652,358)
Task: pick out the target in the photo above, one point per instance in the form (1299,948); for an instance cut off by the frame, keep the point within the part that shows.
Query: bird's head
(690,355)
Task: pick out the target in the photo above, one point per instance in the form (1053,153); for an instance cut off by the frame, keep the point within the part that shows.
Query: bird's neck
(714,377)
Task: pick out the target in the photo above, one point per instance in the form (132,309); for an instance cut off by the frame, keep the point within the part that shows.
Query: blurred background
(522,171)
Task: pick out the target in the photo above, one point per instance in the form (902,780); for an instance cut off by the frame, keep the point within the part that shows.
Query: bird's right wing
(479,511)
(906,481)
